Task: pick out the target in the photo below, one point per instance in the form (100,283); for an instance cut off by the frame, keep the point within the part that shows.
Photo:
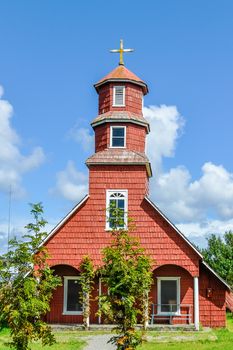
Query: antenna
(9,218)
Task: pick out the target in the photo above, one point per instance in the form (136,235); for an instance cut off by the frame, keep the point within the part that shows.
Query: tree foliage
(127,274)
(26,285)
(87,274)
(219,255)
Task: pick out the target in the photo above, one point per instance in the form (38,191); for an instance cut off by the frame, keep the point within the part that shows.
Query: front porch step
(109,327)
(171,327)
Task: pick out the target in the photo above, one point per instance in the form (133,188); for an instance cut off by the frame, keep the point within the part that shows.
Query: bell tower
(119,161)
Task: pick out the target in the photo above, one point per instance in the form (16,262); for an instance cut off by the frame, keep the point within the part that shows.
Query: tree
(127,274)
(87,275)
(26,285)
(219,255)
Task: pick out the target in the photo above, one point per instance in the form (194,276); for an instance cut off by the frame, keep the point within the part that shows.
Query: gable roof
(174,227)
(188,241)
(62,221)
(216,275)
(77,206)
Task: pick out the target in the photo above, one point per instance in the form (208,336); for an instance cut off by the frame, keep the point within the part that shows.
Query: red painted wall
(85,232)
(213,309)
(55,315)
(133,98)
(135,136)
(186,289)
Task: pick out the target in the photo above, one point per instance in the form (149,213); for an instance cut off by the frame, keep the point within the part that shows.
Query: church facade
(185,289)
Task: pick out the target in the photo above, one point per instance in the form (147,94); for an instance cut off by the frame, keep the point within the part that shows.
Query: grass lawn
(212,340)
(65,341)
(203,340)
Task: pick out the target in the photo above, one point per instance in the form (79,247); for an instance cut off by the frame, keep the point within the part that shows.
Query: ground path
(98,342)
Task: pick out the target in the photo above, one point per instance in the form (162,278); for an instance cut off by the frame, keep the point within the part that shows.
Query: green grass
(65,340)
(220,339)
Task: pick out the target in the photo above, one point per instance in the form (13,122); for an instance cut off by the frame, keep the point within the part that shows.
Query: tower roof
(122,74)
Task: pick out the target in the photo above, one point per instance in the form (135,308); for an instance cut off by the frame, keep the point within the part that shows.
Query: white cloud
(166,125)
(175,192)
(198,206)
(1,91)
(83,136)
(71,184)
(205,228)
(16,230)
(13,163)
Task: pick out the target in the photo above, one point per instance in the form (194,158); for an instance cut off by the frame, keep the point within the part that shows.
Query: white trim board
(111,135)
(177,279)
(121,120)
(108,197)
(65,296)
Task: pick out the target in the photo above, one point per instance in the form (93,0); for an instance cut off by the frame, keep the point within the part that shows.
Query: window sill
(118,105)
(72,313)
(117,146)
(116,229)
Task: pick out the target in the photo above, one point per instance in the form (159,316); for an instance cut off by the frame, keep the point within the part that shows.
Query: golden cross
(121,50)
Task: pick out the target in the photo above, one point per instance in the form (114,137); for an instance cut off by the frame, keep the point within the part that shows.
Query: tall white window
(117,205)
(119,96)
(72,290)
(117,136)
(168,295)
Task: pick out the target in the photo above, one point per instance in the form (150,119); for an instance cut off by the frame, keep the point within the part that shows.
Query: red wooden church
(185,289)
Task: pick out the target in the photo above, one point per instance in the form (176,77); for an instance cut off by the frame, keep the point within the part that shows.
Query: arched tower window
(116,207)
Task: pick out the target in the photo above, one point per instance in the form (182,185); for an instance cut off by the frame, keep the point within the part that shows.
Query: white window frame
(159,279)
(111,135)
(108,196)
(114,96)
(65,311)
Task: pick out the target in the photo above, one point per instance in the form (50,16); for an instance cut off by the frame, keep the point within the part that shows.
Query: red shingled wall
(84,233)
(186,290)
(133,98)
(212,308)
(135,137)
(229,300)
(55,315)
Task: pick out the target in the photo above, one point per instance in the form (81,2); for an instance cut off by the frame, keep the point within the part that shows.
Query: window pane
(118,132)
(116,212)
(117,141)
(119,95)
(73,296)
(168,295)
(121,204)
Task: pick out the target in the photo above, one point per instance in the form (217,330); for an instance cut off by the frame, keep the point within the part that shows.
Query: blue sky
(51,54)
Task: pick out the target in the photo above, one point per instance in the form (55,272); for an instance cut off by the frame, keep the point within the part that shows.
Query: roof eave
(122,120)
(216,275)
(147,164)
(119,80)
